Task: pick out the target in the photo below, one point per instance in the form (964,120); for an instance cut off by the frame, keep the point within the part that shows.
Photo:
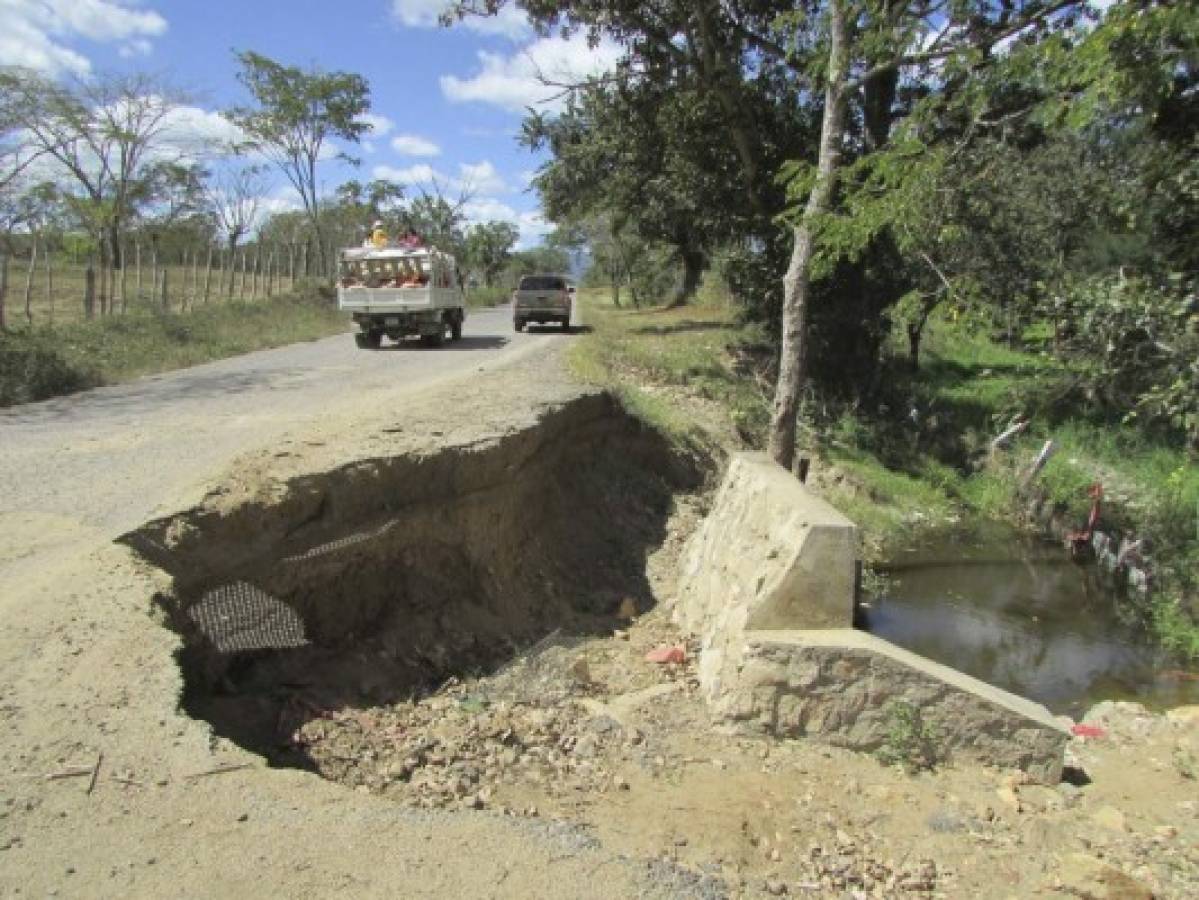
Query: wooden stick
(91,785)
(219,770)
(65,773)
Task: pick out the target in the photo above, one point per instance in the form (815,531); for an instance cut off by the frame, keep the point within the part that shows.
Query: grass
(39,363)
(479,297)
(650,356)
(920,459)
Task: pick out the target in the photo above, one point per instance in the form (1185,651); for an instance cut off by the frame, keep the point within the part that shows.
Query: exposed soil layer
(374,582)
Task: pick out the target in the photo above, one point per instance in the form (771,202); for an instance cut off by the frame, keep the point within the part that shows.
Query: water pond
(1015,611)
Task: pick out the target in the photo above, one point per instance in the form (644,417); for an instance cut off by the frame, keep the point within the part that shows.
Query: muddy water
(1016,612)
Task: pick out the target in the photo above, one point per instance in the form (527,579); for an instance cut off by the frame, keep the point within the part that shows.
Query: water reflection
(1018,614)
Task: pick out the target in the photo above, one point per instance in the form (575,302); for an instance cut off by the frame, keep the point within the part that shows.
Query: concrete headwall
(770,554)
(768,585)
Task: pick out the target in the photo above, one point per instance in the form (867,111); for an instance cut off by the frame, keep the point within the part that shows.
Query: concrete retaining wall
(768,585)
(839,685)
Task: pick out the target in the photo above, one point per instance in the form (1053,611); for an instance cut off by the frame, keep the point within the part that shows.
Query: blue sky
(448,101)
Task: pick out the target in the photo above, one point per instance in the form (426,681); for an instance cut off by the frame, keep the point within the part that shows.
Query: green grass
(39,363)
(650,357)
(894,473)
(479,297)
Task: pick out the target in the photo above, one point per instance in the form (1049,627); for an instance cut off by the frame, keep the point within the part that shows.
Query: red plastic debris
(674,654)
(1091,731)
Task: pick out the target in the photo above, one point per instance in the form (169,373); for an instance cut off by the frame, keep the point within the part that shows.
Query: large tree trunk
(797,281)
(914,333)
(693,270)
(89,292)
(114,242)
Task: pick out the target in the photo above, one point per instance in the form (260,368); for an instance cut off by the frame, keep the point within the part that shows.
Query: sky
(446,103)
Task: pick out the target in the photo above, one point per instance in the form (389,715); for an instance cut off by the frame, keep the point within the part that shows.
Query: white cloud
(414,145)
(517,81)
(531,224)
(418,174)
(478,179)
(192,130)
(482,178)
(381,126)
(510,22)
(36,33)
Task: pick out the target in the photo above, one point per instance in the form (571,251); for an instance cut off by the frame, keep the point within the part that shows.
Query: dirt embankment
(374,582)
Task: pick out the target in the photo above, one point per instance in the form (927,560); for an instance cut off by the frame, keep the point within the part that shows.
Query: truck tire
(368,340)
(519,324)
(566,324)
(456,326)
(433,340)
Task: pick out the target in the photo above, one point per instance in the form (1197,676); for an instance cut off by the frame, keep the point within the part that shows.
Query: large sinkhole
(372,583)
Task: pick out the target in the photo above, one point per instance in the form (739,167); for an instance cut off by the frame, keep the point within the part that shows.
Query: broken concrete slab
(769,555)
(839,686)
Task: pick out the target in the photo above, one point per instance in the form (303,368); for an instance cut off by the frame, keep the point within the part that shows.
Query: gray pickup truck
(541,299)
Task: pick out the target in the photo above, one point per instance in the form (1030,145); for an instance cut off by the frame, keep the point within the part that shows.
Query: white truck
(397,291)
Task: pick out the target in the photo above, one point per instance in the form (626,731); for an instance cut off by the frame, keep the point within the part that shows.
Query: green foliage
(910,742)
(489,247)
(1176,631)
(1139,346)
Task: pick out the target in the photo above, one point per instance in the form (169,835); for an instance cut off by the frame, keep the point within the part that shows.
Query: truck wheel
(566,324)
(433,340)
(519,324)
(456,327)
(368,340)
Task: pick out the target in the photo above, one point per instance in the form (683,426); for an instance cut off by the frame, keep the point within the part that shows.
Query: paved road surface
(107,458)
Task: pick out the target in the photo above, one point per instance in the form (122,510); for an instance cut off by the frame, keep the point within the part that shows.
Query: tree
(873,58)
(489,246)
(296,113)
(104,133)
(233,197)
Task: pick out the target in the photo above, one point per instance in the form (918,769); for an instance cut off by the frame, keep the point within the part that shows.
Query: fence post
(166,300)
(29,282)
(207,273)
(49,282)
(89,292)
(3,289)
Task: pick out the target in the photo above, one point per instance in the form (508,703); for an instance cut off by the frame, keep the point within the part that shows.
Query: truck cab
(398,291)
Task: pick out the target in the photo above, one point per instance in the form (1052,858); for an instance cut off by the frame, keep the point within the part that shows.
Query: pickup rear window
(542,283)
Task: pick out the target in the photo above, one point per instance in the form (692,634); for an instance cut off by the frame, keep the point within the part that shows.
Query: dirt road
(107,458)
(88,680)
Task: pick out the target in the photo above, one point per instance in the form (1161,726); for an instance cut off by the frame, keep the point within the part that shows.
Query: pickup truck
(541,299)
(397,291)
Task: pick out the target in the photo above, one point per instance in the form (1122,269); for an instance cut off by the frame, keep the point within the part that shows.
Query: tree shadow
(688,325)
(470,342)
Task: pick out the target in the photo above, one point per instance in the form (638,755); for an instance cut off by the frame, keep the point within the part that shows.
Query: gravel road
(108,458)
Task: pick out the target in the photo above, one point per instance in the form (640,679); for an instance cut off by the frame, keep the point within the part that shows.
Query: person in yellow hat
(378,235)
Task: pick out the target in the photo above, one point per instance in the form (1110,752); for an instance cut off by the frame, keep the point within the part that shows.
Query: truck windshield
(542,283)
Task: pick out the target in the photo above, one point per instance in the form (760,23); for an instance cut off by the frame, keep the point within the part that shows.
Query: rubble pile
(530,725)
